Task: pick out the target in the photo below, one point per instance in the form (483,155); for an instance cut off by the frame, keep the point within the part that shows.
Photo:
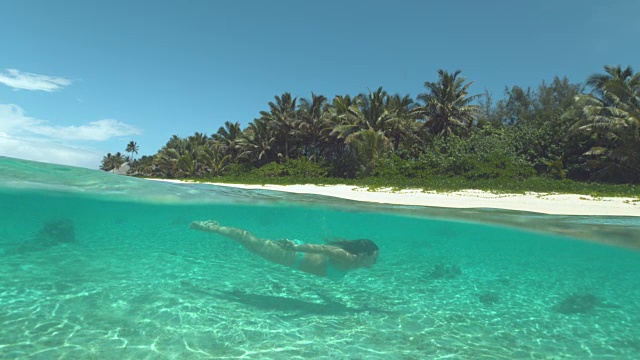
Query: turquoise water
(100,266)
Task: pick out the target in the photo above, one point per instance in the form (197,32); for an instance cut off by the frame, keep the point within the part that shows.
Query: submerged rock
(55,232)
(489,297)
(50,234)
(443,271)
(577,304)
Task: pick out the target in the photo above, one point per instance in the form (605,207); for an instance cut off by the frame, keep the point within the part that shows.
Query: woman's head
(356,247)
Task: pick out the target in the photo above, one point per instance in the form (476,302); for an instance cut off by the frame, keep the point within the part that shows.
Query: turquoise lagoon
(100,266)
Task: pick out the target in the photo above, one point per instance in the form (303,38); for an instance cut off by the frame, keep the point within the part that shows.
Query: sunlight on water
(99,266)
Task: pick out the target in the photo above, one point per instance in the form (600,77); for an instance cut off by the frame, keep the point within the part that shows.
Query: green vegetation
(556,138)
(112,162)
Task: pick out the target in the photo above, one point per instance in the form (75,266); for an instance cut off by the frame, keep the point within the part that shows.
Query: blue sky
(79,79)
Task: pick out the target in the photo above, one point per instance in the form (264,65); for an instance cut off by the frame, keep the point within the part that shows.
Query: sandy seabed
(556,204)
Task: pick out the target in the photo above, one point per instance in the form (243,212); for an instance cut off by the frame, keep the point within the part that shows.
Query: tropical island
(560,137)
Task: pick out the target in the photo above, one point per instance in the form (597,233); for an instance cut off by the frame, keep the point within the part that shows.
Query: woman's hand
(287,244)
(209,225)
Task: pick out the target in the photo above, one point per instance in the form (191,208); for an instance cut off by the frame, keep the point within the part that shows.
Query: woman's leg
(265,248)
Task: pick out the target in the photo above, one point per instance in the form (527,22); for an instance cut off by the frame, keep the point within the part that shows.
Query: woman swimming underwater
(332,260)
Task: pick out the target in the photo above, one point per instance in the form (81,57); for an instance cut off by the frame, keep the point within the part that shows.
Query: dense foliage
(555,131)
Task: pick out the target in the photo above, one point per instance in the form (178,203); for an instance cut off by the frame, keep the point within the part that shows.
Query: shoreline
(551,204)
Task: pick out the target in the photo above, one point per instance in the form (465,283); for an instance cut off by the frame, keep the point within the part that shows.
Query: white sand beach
(558,204)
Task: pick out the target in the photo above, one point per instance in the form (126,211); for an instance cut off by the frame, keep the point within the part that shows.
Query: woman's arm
(332,252)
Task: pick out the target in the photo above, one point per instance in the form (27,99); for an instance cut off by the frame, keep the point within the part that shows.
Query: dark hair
(356,247)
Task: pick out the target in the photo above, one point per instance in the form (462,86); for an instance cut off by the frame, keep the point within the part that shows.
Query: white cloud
(27,81)
(100,130)
(13,120)
(28,138)
(48,151)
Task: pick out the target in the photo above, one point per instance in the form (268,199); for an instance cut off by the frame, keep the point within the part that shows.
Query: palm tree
(363,126)
(447,104)
(132,148)
(112,162)
(183,157)
(257,141)
(368,144)
(401,126)
(193,160)
(368,111)
(336,150)
(143,166)
(342,116)
(105,164)
(282,117)
(374,109)
(313,124)
(621,83)
(612,113)
(166,160)
(215,158)
(229,135)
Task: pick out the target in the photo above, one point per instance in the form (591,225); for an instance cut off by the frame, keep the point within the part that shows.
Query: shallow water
(100,266)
